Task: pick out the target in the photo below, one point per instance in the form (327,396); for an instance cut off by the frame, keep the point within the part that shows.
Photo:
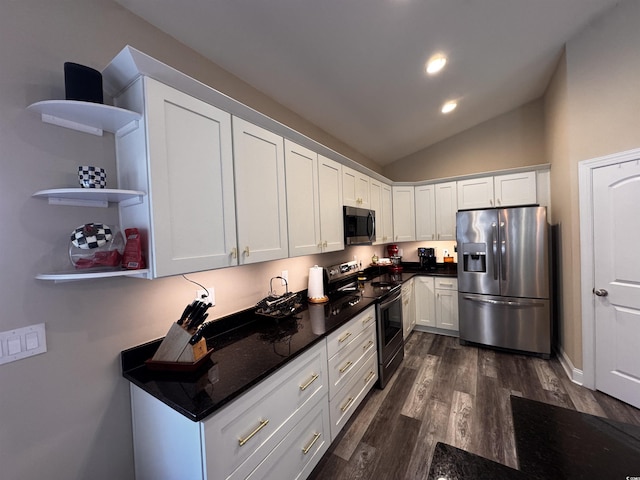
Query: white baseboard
(574,374)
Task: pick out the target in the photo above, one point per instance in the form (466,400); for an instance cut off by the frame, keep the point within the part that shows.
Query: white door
(446,208)
(404,217)
(425,212)
(616,196)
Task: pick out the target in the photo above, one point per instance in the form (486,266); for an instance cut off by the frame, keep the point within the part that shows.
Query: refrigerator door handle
(507,303)
(494,241)
(503,252)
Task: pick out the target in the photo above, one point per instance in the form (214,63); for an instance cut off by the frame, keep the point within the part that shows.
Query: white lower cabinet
(408,308)
(353,367)
(436,302)
(244,439)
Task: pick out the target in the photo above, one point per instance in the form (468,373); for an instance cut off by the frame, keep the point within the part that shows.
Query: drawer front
(342,337)
(446,283)
(342,406)
(299,452)
(344,364)
(249,428)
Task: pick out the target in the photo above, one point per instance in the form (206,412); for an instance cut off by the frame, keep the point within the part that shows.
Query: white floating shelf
(91,197)
(75,275)
(88,117)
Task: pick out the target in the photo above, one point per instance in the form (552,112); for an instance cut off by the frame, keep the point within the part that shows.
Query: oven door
(389,320)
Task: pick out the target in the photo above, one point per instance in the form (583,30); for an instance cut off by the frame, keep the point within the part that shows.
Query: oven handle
(395,298)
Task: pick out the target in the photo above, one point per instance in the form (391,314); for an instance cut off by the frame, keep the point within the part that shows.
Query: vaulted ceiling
(356,68)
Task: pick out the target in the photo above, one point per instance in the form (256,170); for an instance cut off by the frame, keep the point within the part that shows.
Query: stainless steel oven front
(390,342)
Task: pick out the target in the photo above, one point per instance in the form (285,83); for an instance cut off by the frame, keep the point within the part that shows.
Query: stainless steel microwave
(359,226)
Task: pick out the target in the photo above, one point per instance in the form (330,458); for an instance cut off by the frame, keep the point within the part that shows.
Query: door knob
(601,292)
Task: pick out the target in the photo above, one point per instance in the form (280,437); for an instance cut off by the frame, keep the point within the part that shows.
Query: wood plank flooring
(445,392)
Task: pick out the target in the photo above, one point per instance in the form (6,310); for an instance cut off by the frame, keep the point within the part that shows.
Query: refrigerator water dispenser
(474,257)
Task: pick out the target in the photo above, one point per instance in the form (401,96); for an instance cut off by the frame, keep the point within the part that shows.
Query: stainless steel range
(345,279)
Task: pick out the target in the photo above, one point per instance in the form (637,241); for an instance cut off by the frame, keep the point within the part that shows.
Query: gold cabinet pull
(367,320)
(368,345)
(234,252)
(324,244)
(246,251)
(369,377)
(346,366)
(344,337)
(346,406)
(306,449)
(263,423)
(313,379)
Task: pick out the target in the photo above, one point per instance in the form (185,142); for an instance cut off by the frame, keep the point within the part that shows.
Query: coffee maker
(427,257)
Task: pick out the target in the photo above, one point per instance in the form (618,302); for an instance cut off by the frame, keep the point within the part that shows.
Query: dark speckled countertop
(247,349)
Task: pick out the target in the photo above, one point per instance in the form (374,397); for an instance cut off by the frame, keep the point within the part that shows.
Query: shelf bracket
(61,122)
(74,202)
(128,128)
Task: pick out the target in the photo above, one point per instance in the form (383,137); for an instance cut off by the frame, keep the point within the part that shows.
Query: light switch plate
(22,342)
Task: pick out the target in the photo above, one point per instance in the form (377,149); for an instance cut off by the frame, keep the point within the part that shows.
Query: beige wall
(591,110)
(515,139)
(65,414)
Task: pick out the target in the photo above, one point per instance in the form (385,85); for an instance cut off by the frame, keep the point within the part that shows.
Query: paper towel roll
(315,290)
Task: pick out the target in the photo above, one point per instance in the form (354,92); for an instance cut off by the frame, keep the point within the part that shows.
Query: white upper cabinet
(355,188)
(381,203)
(261,210)
(425,212)
(314,201)
(186,162)
(404,217)
(515,189)
(331,218)
(497,191)
(446,208)
(303,214)
(475,193)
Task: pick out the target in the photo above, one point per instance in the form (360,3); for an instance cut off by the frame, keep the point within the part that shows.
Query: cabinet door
(386,223)
(404,218)
(355,187)
(191,182)
(408,308)
(330,191)
(375,190)
(260,193)
(475,193)
(446,208)
(425,212)
(515,189)
(425,301)
(447,309)
(301,170)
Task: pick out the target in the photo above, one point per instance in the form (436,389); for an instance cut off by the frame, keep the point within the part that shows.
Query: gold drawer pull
(346,367)
(367,320)
(346,406)
(263,423)
(313,379)
(344,337)
(306,449)
(368,345)
(369,377)
(247,251)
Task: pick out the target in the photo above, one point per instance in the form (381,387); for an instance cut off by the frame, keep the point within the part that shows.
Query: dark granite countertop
(247,349)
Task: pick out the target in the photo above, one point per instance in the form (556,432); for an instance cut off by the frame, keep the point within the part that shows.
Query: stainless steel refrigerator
(503,278)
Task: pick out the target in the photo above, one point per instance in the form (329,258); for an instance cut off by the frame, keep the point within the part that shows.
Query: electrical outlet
(285,275)
(445,252)
(203,297)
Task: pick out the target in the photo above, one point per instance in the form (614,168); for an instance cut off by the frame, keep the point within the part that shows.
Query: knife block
(176,348)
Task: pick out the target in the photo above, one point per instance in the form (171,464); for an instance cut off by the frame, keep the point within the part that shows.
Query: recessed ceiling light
(449,106)
(436,63)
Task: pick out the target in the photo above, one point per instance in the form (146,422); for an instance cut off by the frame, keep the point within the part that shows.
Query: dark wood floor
(445,392)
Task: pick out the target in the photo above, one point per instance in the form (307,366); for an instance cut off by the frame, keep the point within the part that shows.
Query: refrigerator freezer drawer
(506,322)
